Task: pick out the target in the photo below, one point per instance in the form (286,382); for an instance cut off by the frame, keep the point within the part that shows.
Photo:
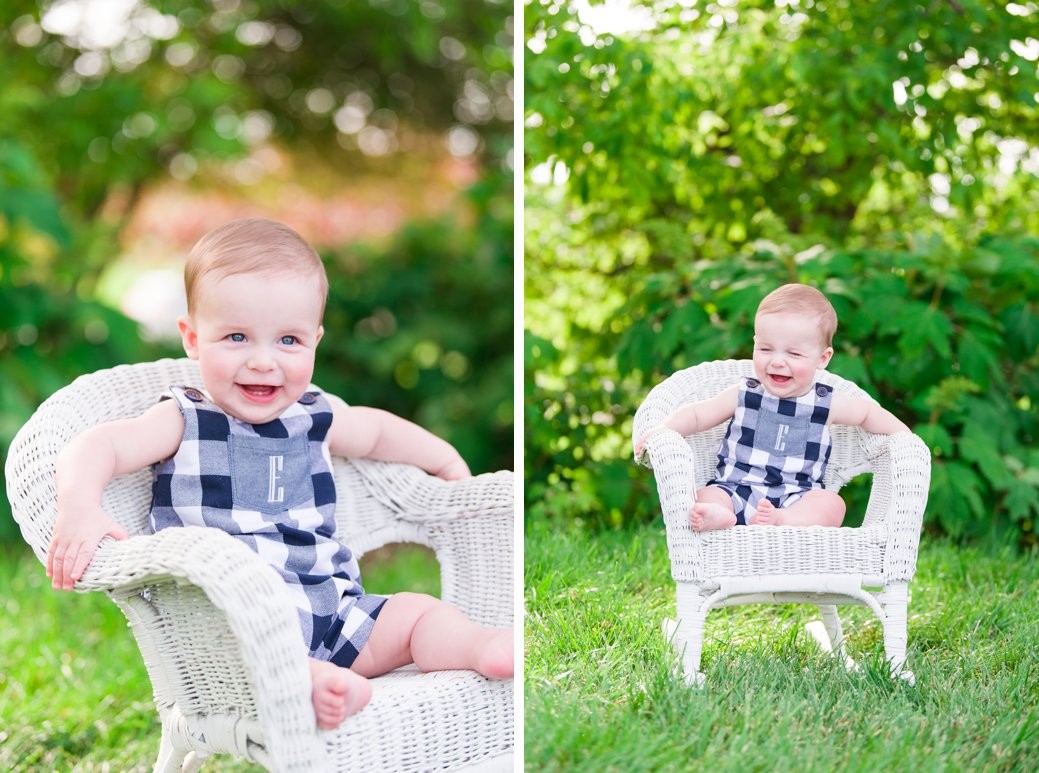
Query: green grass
(599,694)
(74,694)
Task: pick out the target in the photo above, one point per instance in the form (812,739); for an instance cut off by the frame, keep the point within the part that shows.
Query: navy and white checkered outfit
(271,486)
(775,448)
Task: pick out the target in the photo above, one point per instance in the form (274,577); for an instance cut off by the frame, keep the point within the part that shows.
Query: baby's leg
(337,693)
(713,510)
(435,636)
(818,507)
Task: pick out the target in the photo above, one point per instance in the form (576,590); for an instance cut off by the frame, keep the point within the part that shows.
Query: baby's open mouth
(258,390)
(779,379)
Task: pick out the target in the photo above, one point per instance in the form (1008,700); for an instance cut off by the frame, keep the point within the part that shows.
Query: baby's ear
(827,355)
(188,337)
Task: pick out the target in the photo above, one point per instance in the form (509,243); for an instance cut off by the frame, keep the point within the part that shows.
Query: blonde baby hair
(804,300)
(251,245)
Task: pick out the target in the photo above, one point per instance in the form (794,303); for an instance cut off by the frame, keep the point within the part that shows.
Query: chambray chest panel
(778,446)
(271,486)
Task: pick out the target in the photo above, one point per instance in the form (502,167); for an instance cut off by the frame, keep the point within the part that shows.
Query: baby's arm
(371,433)
(84,468)
(867,414)
(696,417)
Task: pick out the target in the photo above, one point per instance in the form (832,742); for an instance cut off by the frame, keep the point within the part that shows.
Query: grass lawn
(599,695)
(74,695)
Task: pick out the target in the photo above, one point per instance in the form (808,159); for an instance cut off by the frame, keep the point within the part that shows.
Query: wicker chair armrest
(469,523)
(674,470)
(258,610)
(902,477)
(418,497)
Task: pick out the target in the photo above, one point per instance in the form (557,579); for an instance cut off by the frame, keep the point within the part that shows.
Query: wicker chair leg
(894,599)
(688,637)
(171,758)
(174,755)
(832,622)
(831,637)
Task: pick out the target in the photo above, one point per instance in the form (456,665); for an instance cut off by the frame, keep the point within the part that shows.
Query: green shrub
(423,328)
(946,339)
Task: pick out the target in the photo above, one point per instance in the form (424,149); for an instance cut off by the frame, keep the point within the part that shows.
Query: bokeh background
(682,159)
(380,129)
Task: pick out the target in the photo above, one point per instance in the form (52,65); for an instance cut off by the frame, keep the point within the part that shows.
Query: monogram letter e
(276,493)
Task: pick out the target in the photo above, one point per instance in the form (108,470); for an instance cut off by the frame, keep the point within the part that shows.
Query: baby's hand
(640,444)
(454,470)
(76,537)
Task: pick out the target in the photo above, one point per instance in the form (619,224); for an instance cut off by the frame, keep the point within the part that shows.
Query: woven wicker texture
(220,637)
(749,564)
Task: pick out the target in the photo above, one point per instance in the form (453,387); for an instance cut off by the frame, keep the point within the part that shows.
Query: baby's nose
(260,360)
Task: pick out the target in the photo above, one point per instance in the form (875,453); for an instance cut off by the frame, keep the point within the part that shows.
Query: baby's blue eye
(237,337)
(288,340)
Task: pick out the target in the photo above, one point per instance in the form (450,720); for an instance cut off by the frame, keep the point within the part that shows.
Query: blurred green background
(682,159)
(381,130)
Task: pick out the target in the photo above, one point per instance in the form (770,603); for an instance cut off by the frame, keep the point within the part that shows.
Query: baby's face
(255,338)
(788,349)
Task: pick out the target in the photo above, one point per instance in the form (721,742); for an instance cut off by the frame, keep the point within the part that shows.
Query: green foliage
(89,125)
(876,150)
(48,334)
(829,119)
(190,83)
(423,328)
(946,341)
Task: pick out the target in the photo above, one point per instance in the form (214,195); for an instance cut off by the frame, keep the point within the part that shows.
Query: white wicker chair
(220,637)
(871,565)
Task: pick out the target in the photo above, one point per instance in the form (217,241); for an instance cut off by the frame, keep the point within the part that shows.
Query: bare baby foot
(337,693)
(708,516)
(768,514)
(495,657)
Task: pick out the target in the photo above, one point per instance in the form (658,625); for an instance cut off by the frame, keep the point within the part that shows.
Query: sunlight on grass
(600,694)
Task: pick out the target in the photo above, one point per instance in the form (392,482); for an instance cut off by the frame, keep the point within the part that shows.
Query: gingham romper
(271,486)
(774,448)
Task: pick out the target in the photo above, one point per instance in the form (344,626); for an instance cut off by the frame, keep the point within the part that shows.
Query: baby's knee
(836,502)
(831,507)
(414,602)
(714,495)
